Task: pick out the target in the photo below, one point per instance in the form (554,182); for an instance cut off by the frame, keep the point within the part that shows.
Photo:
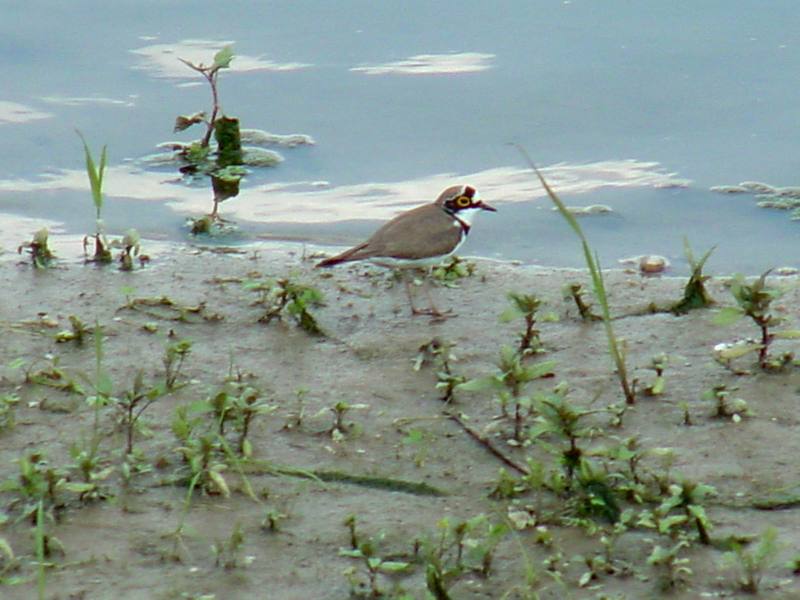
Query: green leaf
(16,363)
(95,174)
(728,315)
(541,369)
(223,58)
(480,384)
(510,314)
(658,386)
(738,350)
(219,482)
(666,524)
(183,122)
(789,334)
(394,566)
(79,488)
(104,385)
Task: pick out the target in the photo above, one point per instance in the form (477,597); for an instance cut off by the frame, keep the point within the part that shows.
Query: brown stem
(766,338)
(489,446)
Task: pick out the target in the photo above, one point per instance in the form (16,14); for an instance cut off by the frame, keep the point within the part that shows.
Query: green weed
(672,566)
(695,294)
(8,411)
(524,306)
(753,300)
(175,355)
(41,255)
(96,173)
(283,296)
(576,293)
(367,551)
(227,554)
(452,270)
(441,355)
(510,383)
(726,407)
(751,563)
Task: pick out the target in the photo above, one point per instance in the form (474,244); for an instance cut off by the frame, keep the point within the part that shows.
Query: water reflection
(432,64)
(318,202)
(161,60)
(13,112)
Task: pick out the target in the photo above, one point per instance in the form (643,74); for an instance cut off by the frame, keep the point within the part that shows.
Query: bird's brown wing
(419,233)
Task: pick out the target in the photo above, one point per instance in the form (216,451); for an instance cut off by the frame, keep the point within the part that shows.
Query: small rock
(648,263)
(592,209)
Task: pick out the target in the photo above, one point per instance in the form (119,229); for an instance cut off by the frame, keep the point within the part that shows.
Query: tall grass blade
(41,577)
(95,174)
(598,285)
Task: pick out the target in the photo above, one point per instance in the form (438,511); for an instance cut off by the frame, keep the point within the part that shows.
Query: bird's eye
(463,202)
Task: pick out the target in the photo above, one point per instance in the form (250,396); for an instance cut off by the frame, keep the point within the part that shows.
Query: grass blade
(598,285)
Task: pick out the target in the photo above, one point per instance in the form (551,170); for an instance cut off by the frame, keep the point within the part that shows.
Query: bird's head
(463,201)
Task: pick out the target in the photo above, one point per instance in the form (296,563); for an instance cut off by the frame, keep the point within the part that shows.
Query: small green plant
(272,519)
(96,173)
(39,485)
(460,548)
(174,356)
(240,404)
(202,449)
(366,550)
(222,60)
(8,409)
(657,364)
(558,418)
(41,255)
(726,407)
(132,404)
(130,247)
(296,417)
(93,471)
(442,355)
(451,271)
(751,564)
(53,376)
(673,568)
(76,333)
(417,440)
(510,383)
(753,300)
(340,428)
(525,306)
(285,296)
(695,294)
(560,429)
(227,554)
(576,293)
(682,509)
(224,167)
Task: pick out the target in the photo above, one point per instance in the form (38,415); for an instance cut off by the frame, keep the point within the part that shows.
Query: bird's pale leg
(407,282)
(432,311)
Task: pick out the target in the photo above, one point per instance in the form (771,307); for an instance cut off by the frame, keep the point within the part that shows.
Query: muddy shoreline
(394,427)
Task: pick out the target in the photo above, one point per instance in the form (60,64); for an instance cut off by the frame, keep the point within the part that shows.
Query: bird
(420,237)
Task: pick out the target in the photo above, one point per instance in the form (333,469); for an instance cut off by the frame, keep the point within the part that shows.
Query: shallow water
(619,100)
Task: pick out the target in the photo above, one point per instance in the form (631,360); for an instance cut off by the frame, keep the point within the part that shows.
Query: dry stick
(488,445)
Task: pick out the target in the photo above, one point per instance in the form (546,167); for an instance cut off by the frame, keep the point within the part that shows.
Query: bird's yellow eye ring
(463,201)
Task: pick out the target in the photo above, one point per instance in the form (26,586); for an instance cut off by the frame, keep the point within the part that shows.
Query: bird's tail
(329,262)
(347,256)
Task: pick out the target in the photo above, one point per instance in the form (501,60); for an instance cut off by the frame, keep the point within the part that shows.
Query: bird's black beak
(481,204)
